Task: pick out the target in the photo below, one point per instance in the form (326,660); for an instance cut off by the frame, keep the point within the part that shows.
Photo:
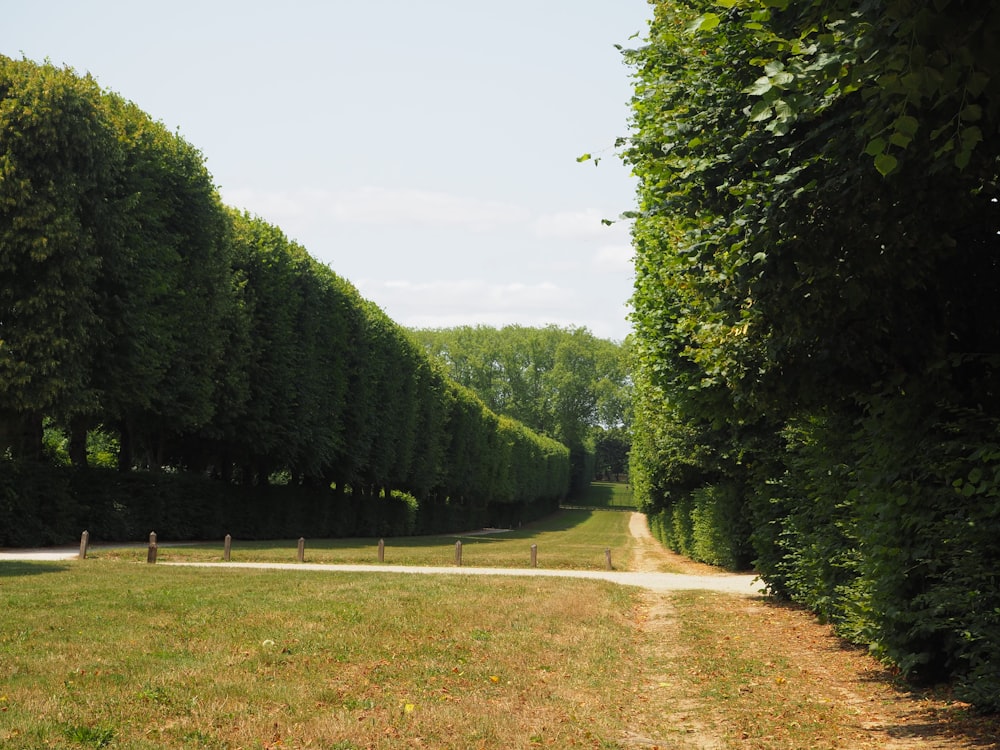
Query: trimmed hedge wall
(45,505)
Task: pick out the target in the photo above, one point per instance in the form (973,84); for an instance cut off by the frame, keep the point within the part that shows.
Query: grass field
(572,538)
(114,653)
(110,654)
(120,655)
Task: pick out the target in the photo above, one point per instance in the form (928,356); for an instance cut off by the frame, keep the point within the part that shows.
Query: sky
(425,150)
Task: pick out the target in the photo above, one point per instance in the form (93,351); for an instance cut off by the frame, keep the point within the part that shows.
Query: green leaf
(948,145)
(900,139)
(583,157)
(706,22)
(886,164)
(875,147)
(972,113)
(773,67)
(907,125)
(935,134)
(971,136)
(760,111)
(782,78)
(784,110)
(977,83)
(759,87)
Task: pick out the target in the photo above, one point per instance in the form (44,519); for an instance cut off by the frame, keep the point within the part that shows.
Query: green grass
(113,654)
(615,495)
(569,539)
(110,653)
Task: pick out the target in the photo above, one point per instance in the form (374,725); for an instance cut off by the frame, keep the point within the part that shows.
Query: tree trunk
(10,427)
(126,446)
(78,442)
(30,447)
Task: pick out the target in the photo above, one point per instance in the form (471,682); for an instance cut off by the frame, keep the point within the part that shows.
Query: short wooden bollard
(607,557)
(381,550)
(534,555)
(458,552)
(227,547)
(302,549)
(151,553)
(84,544)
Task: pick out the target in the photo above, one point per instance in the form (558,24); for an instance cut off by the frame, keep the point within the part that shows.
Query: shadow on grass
(11,568)
(562,520)
(605,495)
(928,715)
(598,495)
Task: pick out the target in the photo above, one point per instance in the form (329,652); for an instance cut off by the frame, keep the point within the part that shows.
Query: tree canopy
(562,382)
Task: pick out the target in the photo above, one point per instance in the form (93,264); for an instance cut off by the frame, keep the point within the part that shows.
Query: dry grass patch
(726,672)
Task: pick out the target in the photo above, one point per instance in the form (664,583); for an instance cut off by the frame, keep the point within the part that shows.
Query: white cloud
(470,295)
(574,225)
(451,303)
(374,205)
(381,206)
(614,258)
(437,304)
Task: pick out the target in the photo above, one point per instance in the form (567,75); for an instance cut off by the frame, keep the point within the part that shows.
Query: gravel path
(747,585)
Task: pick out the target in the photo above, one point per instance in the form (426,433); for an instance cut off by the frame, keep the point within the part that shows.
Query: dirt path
(651,556)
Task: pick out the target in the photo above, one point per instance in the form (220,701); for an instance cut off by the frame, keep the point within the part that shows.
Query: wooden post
(302,549)
(84,543)
(534,555)
(227,547)
(458,552)
(151,554)
(607,557)
(381,550)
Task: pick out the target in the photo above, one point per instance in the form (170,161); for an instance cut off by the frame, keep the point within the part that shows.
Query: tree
(58,156)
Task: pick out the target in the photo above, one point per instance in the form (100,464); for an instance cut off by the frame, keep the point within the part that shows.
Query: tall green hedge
(816,347)
(245,384)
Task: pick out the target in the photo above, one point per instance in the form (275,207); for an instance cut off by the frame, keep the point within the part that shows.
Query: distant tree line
(187,337)
(565,383)
(817,351)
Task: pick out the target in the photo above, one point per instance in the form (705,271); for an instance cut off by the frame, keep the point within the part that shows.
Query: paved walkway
(747,585)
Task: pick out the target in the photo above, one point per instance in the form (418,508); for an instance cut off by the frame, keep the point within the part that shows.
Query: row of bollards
(301,550)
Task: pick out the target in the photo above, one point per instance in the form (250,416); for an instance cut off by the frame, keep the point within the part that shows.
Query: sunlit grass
(119,654)
(123,655)
(570,539)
